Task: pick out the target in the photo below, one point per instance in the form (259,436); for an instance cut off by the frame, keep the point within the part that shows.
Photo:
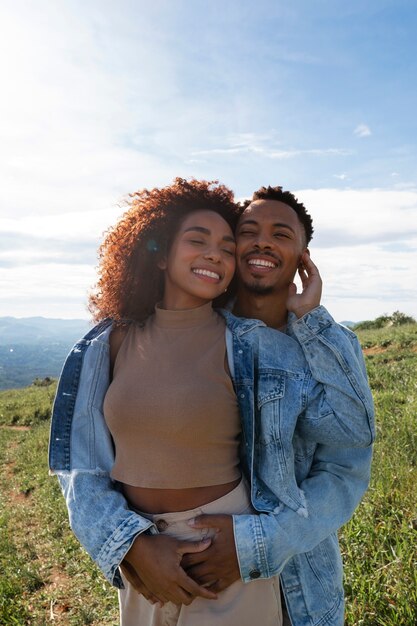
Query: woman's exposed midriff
(151,500)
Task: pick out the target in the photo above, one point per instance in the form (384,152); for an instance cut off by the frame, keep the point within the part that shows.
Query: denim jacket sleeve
(333,489)
(81,455)
(100,519)
(339,406)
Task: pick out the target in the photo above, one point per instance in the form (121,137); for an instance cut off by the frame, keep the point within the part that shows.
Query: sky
(101,98)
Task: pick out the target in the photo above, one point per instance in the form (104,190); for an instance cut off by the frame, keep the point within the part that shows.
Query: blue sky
(101,98)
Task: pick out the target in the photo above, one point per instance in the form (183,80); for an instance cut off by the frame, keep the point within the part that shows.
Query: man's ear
(162,263)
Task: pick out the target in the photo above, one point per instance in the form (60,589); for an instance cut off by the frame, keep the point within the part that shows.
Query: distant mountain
(35,347)
(348,324)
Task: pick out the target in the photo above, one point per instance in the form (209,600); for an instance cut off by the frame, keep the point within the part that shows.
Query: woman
(171,407)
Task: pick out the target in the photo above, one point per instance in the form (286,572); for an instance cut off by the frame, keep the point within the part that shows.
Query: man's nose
(263,242)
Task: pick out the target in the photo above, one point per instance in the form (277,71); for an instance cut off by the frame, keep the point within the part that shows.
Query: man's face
(270,241)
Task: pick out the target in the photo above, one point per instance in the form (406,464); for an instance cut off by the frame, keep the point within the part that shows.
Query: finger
(190,559)
(308,264)
(207,521)
(189,585)
(199,572)
(204,579)
(180,596)
(292,289)
(303,275)
(136,582)
(218,586)
(184,547)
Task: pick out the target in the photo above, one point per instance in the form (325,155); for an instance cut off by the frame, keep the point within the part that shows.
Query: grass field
(46,578)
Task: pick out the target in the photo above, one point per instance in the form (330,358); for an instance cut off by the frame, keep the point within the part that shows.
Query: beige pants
(257,602)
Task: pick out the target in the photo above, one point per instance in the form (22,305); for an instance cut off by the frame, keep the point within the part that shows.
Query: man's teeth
(207,273)
(261,263)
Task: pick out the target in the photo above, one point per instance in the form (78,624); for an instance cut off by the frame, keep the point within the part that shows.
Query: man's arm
(100,518)
(265,542)
(334,487)
(339,408)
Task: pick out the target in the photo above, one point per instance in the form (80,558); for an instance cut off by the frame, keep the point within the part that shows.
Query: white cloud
(365,245)
(100,102)
(271,152)
(362,130)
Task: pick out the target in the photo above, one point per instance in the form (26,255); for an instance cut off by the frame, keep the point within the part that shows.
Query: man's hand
(136,582)
(153,563)
(309,298)
(216,567)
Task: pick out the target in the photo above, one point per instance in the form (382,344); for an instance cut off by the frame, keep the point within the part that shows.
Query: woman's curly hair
(130,282)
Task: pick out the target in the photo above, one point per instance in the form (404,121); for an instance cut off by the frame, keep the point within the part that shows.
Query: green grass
(379,543)
(45,573)
(28,407)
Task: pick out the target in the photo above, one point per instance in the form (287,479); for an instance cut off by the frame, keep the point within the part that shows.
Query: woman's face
(200,263)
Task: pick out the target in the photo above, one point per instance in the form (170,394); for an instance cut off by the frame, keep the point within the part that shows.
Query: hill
(46,575)
(35,347)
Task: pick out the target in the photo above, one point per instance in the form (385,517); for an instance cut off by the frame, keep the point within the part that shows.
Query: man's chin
(258,288)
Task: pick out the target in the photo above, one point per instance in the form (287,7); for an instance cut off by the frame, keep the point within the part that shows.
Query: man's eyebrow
(255,223)
(282,225)
(206,231)
(248,221)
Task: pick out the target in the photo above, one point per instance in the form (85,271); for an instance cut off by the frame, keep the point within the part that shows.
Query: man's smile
(261,263)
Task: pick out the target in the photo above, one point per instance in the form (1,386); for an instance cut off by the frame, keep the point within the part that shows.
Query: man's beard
(259,289)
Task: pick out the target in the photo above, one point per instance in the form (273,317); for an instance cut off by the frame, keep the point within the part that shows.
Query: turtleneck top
(171,407)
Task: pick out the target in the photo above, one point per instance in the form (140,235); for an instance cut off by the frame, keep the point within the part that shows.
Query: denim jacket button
(161,525)
(255,573)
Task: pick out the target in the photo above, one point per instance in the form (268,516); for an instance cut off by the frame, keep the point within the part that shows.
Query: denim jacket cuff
(118,544)
(250,548)
(311,324)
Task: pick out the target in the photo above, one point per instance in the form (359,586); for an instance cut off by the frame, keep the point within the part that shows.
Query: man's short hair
(276,193)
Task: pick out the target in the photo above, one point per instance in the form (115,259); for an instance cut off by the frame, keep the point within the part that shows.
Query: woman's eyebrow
(206,231)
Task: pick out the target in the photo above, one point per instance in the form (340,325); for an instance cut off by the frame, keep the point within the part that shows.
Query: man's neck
(269,308)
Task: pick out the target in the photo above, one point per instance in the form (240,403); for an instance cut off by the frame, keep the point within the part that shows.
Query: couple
(209,456)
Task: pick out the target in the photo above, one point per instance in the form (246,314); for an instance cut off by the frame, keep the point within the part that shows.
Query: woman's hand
(156,562)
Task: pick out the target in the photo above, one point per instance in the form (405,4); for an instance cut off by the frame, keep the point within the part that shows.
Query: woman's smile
(200,263)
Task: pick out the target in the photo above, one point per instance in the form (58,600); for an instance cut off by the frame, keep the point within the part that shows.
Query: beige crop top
(171,407)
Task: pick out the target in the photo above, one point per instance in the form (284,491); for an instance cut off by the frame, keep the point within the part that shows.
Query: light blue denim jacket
(307,430)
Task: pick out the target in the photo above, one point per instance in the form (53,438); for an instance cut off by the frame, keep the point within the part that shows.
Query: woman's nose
(213,254)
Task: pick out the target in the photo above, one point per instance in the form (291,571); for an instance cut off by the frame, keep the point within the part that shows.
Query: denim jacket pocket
(271,389)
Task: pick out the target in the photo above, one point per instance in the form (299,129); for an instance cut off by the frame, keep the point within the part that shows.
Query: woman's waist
(153,500)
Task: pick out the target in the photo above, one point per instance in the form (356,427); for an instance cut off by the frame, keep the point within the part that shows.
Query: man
(272,237)
(293,535)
